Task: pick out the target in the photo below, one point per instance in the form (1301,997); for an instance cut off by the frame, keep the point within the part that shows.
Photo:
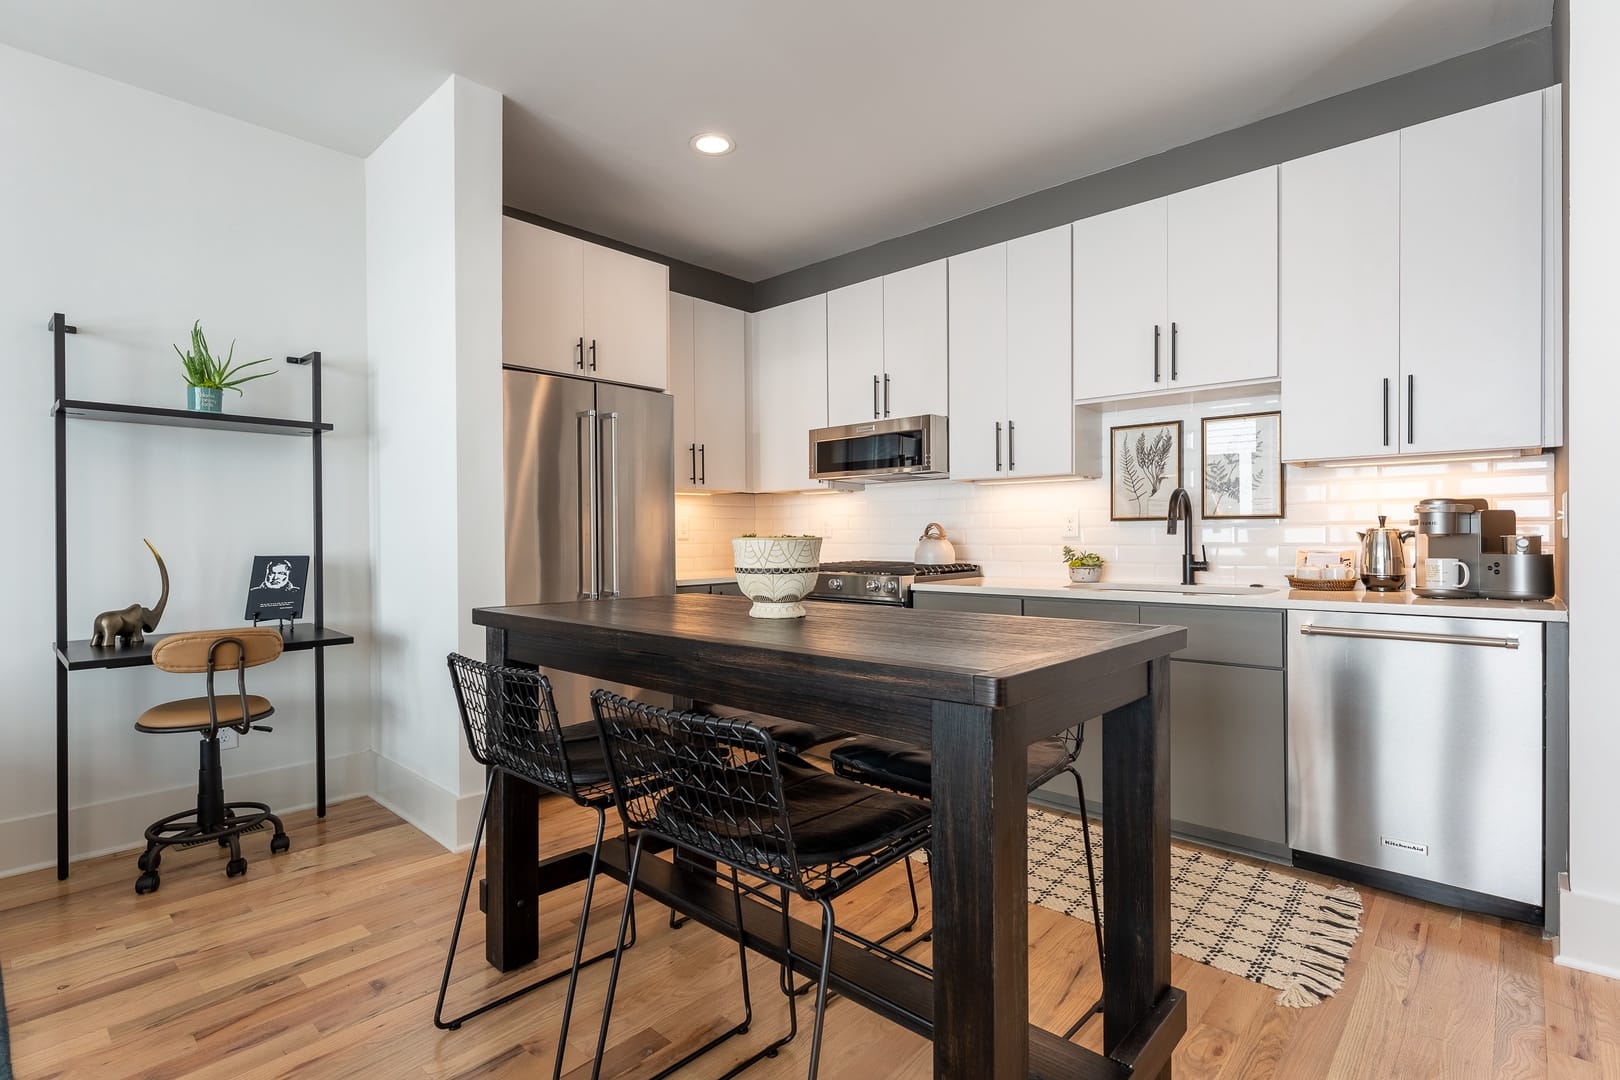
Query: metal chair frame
(719,794)
(510,721)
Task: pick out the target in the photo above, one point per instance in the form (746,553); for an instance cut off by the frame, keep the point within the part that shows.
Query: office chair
(212,819)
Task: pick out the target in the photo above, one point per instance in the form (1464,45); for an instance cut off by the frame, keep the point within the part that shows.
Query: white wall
(135,214)
(1591,910)
(433,234)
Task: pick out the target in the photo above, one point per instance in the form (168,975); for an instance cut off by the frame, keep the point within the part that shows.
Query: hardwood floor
(325,962)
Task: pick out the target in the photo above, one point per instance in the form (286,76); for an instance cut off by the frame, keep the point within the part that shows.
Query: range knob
(891,586)
(874,585)
(836,584)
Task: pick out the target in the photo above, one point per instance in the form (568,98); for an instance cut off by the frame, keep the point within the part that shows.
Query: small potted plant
(1083,565)
(208,377)
(776,572)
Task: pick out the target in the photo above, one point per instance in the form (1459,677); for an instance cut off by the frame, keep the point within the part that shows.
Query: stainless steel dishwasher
(1415,755)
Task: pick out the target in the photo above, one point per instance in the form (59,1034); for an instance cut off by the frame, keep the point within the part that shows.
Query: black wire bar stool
(909,770)
(724,793)
(510,719)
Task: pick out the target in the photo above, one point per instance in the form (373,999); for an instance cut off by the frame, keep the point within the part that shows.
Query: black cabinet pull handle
(875,413)
(693,451)
(885,395)
(593,354)
(703,464)
(998,446)
(1175,339)
(1411,409)
(1386,412)
(1012,464)
(580,349)
(1155,352)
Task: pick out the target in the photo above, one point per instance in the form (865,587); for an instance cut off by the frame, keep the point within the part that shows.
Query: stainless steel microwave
(910,448)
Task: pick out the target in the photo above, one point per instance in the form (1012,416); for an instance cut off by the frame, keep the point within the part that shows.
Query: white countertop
(719,577)
(1394,603)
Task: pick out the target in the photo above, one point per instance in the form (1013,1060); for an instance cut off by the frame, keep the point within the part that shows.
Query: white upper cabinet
(1413,268)
(582,309)
(1339,300)
(1178,293)
(915,343)
(886,346)
(1471,279)
(1223,281)
(855,352)
(1011,402)
(787,389)
(542,298)
(1121,318)
(978,379)
(708,381)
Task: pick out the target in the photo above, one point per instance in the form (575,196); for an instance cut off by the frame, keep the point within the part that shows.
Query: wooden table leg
(981,918)
(1136,857)
(511,859)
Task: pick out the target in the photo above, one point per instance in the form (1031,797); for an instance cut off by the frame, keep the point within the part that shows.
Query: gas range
(883,582)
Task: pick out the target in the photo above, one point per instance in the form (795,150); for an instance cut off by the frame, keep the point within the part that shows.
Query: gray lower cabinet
(989,604)
(724,588)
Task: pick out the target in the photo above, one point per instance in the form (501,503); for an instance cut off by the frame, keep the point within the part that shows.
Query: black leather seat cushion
(910,769)
(794,736)
(834,819)
(583,745)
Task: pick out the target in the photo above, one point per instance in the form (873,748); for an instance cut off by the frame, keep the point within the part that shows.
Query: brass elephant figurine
(127,626)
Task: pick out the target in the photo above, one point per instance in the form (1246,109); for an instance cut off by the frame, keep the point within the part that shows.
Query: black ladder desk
(81,655)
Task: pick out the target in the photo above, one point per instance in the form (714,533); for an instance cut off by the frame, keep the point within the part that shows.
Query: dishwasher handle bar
(1312,630)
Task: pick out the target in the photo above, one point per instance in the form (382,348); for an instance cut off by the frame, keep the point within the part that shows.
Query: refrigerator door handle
(609,468)
(590,507)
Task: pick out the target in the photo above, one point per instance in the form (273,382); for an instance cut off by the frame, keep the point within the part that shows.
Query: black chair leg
(1096,910)
(828,924)
(461,912)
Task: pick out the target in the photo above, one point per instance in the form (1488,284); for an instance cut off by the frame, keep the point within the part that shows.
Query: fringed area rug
(1268,926)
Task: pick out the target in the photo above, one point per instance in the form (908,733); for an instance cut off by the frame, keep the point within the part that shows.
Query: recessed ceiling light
(712,143)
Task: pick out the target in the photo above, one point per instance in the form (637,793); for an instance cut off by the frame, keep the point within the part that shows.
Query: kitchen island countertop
(1395,603)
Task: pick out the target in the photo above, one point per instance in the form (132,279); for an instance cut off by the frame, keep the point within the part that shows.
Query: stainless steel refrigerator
(590,500)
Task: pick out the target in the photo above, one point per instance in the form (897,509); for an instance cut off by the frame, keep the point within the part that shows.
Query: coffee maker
(1462,529)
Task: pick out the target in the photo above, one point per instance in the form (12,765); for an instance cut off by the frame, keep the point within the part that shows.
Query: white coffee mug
(1445,574)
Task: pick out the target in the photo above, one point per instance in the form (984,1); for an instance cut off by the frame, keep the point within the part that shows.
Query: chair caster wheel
(236,868)
(149,860)
(279,843)
(146,883)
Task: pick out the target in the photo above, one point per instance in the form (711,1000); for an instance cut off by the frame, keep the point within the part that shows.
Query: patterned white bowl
(1085,573)
(776,572)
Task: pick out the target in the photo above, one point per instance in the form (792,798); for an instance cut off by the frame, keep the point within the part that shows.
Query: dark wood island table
(977,688)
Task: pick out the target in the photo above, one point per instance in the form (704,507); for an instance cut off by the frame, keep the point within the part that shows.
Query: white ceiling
(855,120)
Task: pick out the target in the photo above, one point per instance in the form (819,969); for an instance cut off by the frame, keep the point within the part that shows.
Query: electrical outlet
(683,528)
(228,738)
(1071,524)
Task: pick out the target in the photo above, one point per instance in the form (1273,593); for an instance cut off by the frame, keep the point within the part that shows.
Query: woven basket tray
(1320,585)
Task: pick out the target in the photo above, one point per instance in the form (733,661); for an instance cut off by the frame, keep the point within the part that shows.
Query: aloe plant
(206,370)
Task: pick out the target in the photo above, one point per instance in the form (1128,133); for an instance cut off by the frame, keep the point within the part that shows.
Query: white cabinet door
(1471,279)
(1040,398)
(855,352)
(542,298)
(683,387)
(1121,329)
(787,388)
(626,318)
(915,342)
(1223,281)
(720,398)
(978,379)
(1339,304)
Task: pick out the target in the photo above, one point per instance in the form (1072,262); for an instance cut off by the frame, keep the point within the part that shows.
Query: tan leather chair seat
(191,714)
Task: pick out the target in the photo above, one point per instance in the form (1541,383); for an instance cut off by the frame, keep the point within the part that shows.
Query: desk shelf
(81,655)
(185,418)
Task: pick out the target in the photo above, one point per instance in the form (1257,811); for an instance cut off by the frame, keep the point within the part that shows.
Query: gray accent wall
(1519,66)
(1505,70)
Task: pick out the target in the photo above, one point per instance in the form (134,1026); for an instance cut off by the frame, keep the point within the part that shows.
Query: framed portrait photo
(276,587)
(1243,469)
(1144,467)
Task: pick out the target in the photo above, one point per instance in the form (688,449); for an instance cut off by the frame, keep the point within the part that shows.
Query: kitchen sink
(1169,587)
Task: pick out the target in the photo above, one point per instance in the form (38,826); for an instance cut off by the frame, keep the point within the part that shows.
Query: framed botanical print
(1144,467)
(1243,469)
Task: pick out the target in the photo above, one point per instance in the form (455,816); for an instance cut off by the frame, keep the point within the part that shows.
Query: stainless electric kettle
(1383,557)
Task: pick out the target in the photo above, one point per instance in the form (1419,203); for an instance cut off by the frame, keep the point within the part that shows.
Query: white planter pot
(1085,573)
(776,572)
